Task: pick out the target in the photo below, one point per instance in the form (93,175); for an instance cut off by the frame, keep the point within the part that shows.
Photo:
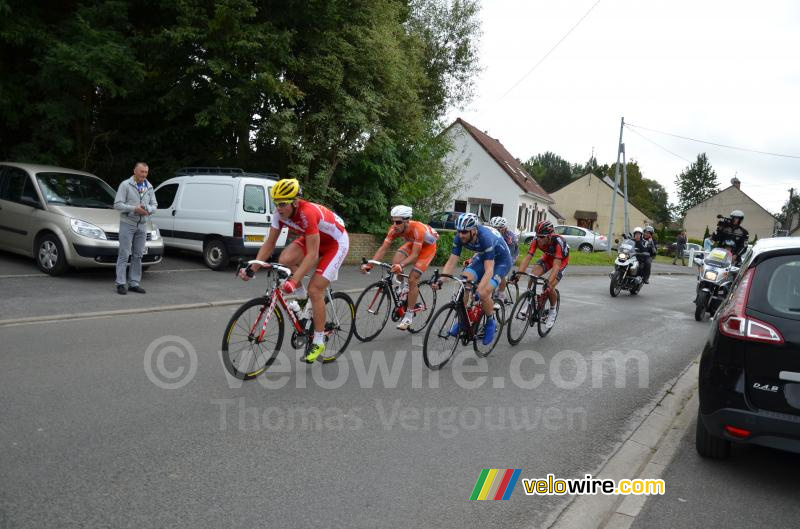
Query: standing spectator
(680,246)
(135,200)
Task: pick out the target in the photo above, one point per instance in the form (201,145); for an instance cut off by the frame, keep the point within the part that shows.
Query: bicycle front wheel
(372,311)
(544,330)
(520,318)
(439,346)
(424,307)
(252,339)
(340,324)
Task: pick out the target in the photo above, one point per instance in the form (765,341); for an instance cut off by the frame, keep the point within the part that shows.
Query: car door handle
(173,212)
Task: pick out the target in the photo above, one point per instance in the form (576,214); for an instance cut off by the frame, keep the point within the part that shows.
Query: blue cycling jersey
(488,245)
(512,240)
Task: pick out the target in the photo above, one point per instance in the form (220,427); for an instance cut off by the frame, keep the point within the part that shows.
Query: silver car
(62,217)
(578,238)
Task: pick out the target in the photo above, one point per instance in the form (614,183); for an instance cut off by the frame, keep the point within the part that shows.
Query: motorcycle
(626,270)
(717,273)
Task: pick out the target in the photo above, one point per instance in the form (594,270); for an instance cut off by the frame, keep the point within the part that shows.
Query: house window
(520,223)
(480,209)
(461,206)
(497,210)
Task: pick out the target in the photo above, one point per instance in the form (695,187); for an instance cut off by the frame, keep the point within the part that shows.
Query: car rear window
(255,200)
(776,289)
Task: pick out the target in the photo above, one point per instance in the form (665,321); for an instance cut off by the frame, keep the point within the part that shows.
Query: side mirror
(32,202)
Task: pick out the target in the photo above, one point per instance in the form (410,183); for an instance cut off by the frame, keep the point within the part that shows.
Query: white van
(219,212)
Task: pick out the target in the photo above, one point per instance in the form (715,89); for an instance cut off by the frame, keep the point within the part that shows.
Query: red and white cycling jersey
(310,218)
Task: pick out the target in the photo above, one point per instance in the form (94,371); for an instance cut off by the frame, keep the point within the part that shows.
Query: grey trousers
(132,238)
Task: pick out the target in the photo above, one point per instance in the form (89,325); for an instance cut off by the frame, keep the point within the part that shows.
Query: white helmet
(639,229)
(498,222)
(404,212)
(737,213)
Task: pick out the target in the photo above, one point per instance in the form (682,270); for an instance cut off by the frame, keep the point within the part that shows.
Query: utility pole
(620,149)
(790,213)
(625,180)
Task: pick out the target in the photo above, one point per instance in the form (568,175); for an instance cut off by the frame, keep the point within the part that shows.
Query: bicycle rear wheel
(425,307)
(245,353)
(543,329)
(439,346)
(340,324)
(372,311)
(512,293)
(518,322)
(499,316)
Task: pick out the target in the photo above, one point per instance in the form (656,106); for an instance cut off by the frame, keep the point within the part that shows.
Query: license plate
(254,238)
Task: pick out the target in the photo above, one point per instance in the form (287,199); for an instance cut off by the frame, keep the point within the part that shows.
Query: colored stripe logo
(495,484)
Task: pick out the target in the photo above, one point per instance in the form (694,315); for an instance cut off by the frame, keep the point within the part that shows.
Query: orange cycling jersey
(417,233)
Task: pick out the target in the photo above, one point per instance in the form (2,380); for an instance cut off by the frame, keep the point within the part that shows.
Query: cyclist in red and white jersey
(321,247)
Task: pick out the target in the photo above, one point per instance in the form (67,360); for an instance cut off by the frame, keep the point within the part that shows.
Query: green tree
(789,212)
(706,234)
(550,170)
(696,183)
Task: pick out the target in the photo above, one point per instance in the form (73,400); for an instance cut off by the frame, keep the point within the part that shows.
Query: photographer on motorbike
(731,229)
(645,250)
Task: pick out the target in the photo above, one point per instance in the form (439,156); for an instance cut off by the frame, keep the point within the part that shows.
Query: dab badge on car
(765,387)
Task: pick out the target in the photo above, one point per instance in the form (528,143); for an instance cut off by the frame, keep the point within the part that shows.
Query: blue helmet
(466,221)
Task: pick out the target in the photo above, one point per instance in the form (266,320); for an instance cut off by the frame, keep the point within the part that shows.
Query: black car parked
(750,366)
(444,220)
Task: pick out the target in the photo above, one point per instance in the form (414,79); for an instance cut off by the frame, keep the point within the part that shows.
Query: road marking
(15,276)
(13,322)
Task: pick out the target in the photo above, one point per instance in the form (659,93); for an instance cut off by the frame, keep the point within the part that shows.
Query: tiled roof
(506,161)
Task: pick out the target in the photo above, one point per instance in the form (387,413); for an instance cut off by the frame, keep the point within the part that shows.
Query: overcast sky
(723,71)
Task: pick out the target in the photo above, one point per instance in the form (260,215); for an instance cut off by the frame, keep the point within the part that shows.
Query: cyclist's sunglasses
(542,236)
(281,203)
(464,232)
(397,222)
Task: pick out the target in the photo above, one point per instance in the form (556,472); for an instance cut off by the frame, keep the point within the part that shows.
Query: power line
(715,143)
(659,146)
(549,52)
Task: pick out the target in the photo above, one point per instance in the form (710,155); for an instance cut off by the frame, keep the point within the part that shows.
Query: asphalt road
(757,487)
(89,439)
(180,279)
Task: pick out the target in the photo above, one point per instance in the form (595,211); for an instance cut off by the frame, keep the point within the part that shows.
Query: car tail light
(737,432)
(237,229)
(736,324)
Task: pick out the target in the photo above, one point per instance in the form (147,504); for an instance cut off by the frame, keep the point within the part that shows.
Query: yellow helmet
(286,189)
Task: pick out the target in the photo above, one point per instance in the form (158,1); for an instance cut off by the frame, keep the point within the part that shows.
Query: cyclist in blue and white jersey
(491,262)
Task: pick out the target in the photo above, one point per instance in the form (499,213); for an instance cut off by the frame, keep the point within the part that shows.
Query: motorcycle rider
(642,247)
(649,247)
(732,229)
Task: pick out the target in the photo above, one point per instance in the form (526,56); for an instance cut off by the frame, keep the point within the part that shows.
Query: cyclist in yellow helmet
(321,246)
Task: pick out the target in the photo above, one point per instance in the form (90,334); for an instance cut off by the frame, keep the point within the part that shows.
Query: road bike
(439,346)
(254,334)
(529,310)
(385,298)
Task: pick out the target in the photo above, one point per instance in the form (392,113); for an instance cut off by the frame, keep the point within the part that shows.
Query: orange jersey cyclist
(555,257)
(419,249)
(321,247)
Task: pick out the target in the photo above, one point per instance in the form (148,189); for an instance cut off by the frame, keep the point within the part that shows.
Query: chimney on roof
(736,182)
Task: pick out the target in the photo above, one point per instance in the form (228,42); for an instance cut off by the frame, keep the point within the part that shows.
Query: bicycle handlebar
(381,264)
(437,276)
(282,271)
